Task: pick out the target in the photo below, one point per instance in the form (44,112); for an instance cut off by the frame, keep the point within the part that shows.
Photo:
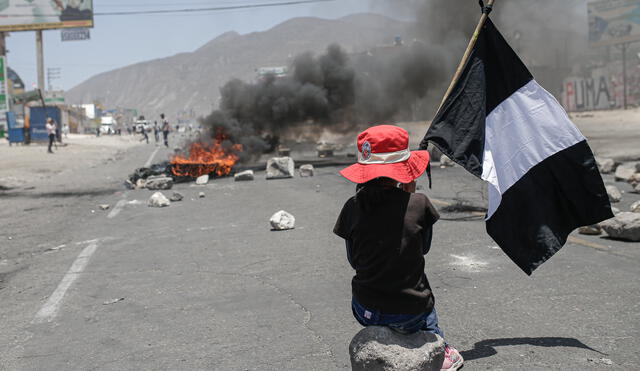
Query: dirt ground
(24,165)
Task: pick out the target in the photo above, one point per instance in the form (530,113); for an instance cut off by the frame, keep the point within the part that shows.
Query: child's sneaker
(452,359)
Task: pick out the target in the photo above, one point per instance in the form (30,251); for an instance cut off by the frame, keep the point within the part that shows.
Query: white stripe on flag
(521,132)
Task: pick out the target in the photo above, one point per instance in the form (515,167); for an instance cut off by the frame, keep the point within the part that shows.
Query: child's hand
(409,187)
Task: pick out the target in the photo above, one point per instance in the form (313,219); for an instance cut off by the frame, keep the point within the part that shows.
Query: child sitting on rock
(387,228)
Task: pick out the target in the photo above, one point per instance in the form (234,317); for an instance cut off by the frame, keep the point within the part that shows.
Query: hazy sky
(118,41)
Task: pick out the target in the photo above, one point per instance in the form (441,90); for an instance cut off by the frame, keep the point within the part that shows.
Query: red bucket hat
(383,151)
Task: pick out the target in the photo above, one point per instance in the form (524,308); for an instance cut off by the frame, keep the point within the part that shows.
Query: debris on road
(128,184)
(57,248)
(201,195)
(325,149)
(155,183)
(244,176)
(158,200)
(615,211)
(635,207)
(624,226)
(135,202)
(203,179)
(306,171)
(590,230)
(636,189)
(604,361)
(104,207)
(280,168)
(282,221)
(176,197)
(435,155)
(446,162)
(614,193)
(140,183)
(606,165)
(113,301)
(624,172)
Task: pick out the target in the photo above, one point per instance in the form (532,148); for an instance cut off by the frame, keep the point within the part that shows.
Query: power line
(187,10)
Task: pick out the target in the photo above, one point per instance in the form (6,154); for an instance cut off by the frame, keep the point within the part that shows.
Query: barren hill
(192,80)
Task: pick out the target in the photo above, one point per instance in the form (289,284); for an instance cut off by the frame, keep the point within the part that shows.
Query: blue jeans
(402,323)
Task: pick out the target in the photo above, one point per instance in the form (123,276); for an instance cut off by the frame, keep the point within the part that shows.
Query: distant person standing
(51,131)
(156,131)
(165,130)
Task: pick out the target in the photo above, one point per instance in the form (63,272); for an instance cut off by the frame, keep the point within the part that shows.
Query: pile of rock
(382,349)
(630,173)
(244,176)
(624,226)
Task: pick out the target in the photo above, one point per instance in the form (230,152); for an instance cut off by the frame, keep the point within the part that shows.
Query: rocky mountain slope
(191,81)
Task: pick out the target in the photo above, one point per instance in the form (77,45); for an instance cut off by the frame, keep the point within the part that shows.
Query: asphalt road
(205,283)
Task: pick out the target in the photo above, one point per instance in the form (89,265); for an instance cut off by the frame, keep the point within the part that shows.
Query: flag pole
(472,43)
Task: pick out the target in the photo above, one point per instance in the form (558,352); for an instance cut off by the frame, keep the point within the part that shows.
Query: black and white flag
(503,127)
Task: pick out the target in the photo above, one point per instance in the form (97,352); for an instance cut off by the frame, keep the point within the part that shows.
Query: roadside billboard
(614,22)
(28,15)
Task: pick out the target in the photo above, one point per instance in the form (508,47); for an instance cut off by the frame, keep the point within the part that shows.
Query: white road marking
(148,163)
(116,210)
(50,309)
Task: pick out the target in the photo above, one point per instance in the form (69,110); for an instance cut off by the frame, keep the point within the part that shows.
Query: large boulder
(635,207)
(280,168)
(244,176)
(155,183)
(306,171)
(624,226)
(606,165)
(634,180)
(377,348)
(614,193)
(625,172)
(158,200)
(282,221)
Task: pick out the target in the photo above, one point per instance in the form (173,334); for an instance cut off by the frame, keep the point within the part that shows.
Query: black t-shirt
(388,231)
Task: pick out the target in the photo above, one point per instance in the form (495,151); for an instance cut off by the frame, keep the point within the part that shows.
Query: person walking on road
(51,131)
(144,128)
(156,131)
(165,130)
(388,228)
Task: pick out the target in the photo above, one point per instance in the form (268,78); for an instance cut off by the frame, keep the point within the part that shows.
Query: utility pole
(40,58)
(3,45)
(624,75)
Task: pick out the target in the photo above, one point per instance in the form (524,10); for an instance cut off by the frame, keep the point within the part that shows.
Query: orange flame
(206,159)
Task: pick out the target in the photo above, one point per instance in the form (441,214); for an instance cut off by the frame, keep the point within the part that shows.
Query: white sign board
(614,22)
